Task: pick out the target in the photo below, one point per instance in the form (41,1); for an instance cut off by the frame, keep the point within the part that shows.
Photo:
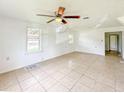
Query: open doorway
(113,43)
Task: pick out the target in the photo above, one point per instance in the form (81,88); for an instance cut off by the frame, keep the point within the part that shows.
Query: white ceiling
(102,13)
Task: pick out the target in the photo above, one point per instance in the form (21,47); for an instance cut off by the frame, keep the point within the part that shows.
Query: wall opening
(113,43)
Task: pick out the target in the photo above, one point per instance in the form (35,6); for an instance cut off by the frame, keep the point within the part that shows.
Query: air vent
(30,67)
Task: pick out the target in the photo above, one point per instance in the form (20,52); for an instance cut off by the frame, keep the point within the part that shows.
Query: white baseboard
(52,57)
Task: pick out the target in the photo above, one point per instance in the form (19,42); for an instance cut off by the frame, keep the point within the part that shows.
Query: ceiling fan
(59,16)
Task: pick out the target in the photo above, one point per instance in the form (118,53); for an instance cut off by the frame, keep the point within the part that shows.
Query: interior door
(113,42)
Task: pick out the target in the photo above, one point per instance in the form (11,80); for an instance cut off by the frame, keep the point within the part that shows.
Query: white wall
(123,44)
(93,40)
(13,43)
(90,41)
(13,53)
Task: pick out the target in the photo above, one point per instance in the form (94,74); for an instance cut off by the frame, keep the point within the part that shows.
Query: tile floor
(74,72)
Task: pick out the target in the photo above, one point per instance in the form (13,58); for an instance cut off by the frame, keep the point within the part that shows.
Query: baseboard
(56,56)
(122,61)
(19,67)
(94,53)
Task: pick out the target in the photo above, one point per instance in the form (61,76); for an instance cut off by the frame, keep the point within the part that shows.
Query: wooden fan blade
(71,17)
(45,15)
(61,10)
(86,18)
(50,21)
(64,22)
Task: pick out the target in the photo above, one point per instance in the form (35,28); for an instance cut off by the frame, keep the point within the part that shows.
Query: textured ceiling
(102,13)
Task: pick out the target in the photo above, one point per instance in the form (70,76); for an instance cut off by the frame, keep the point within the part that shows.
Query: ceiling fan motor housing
(61,11)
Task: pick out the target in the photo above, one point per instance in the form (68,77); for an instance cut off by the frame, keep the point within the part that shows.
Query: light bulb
(58,20)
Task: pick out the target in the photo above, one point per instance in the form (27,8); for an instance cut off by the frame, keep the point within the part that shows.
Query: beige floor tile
(49,66)
(87,81)
(35,88)
(119,76)
(21,71)
(65,70)
(108,80)
(120,85)
(7,82)
(28,83)
(23,77)
(68,82)
(9,75)
(75,71)
(93,74)
(40,76)
(100,87)
(74,75)
(71,64)
(13,88)
(119,90)
(80,88)
(36,71)
(57,75)
(58,88)
(48,82)
(50,71)
(81,69)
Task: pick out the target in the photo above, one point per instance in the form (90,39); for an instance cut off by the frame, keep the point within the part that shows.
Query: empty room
(61,46)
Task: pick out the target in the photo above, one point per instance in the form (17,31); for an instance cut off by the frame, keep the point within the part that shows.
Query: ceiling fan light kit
(59,16)
(58,20)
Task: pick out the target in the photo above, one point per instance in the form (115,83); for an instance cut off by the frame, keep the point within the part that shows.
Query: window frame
(41,40)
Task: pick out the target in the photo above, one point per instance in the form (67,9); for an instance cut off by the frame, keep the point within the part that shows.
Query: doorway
(113,43)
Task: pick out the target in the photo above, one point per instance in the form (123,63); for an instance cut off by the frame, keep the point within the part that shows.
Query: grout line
(88,67)
(76,82)
(37,81)
(115,83)
(18,82)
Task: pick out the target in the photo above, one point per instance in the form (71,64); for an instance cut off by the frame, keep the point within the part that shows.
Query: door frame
(122,42)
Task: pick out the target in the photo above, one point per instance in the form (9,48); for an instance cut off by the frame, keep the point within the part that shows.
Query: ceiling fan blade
(50,21)
(64,22)
(45,15)
(72,17)
(85,17)
(61,10)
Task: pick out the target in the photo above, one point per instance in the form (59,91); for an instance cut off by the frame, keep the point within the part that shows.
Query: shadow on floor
(112,53)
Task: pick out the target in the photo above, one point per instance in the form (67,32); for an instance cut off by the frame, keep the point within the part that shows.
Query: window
(33,40)
(71,39)
(62,34)
(64,37)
